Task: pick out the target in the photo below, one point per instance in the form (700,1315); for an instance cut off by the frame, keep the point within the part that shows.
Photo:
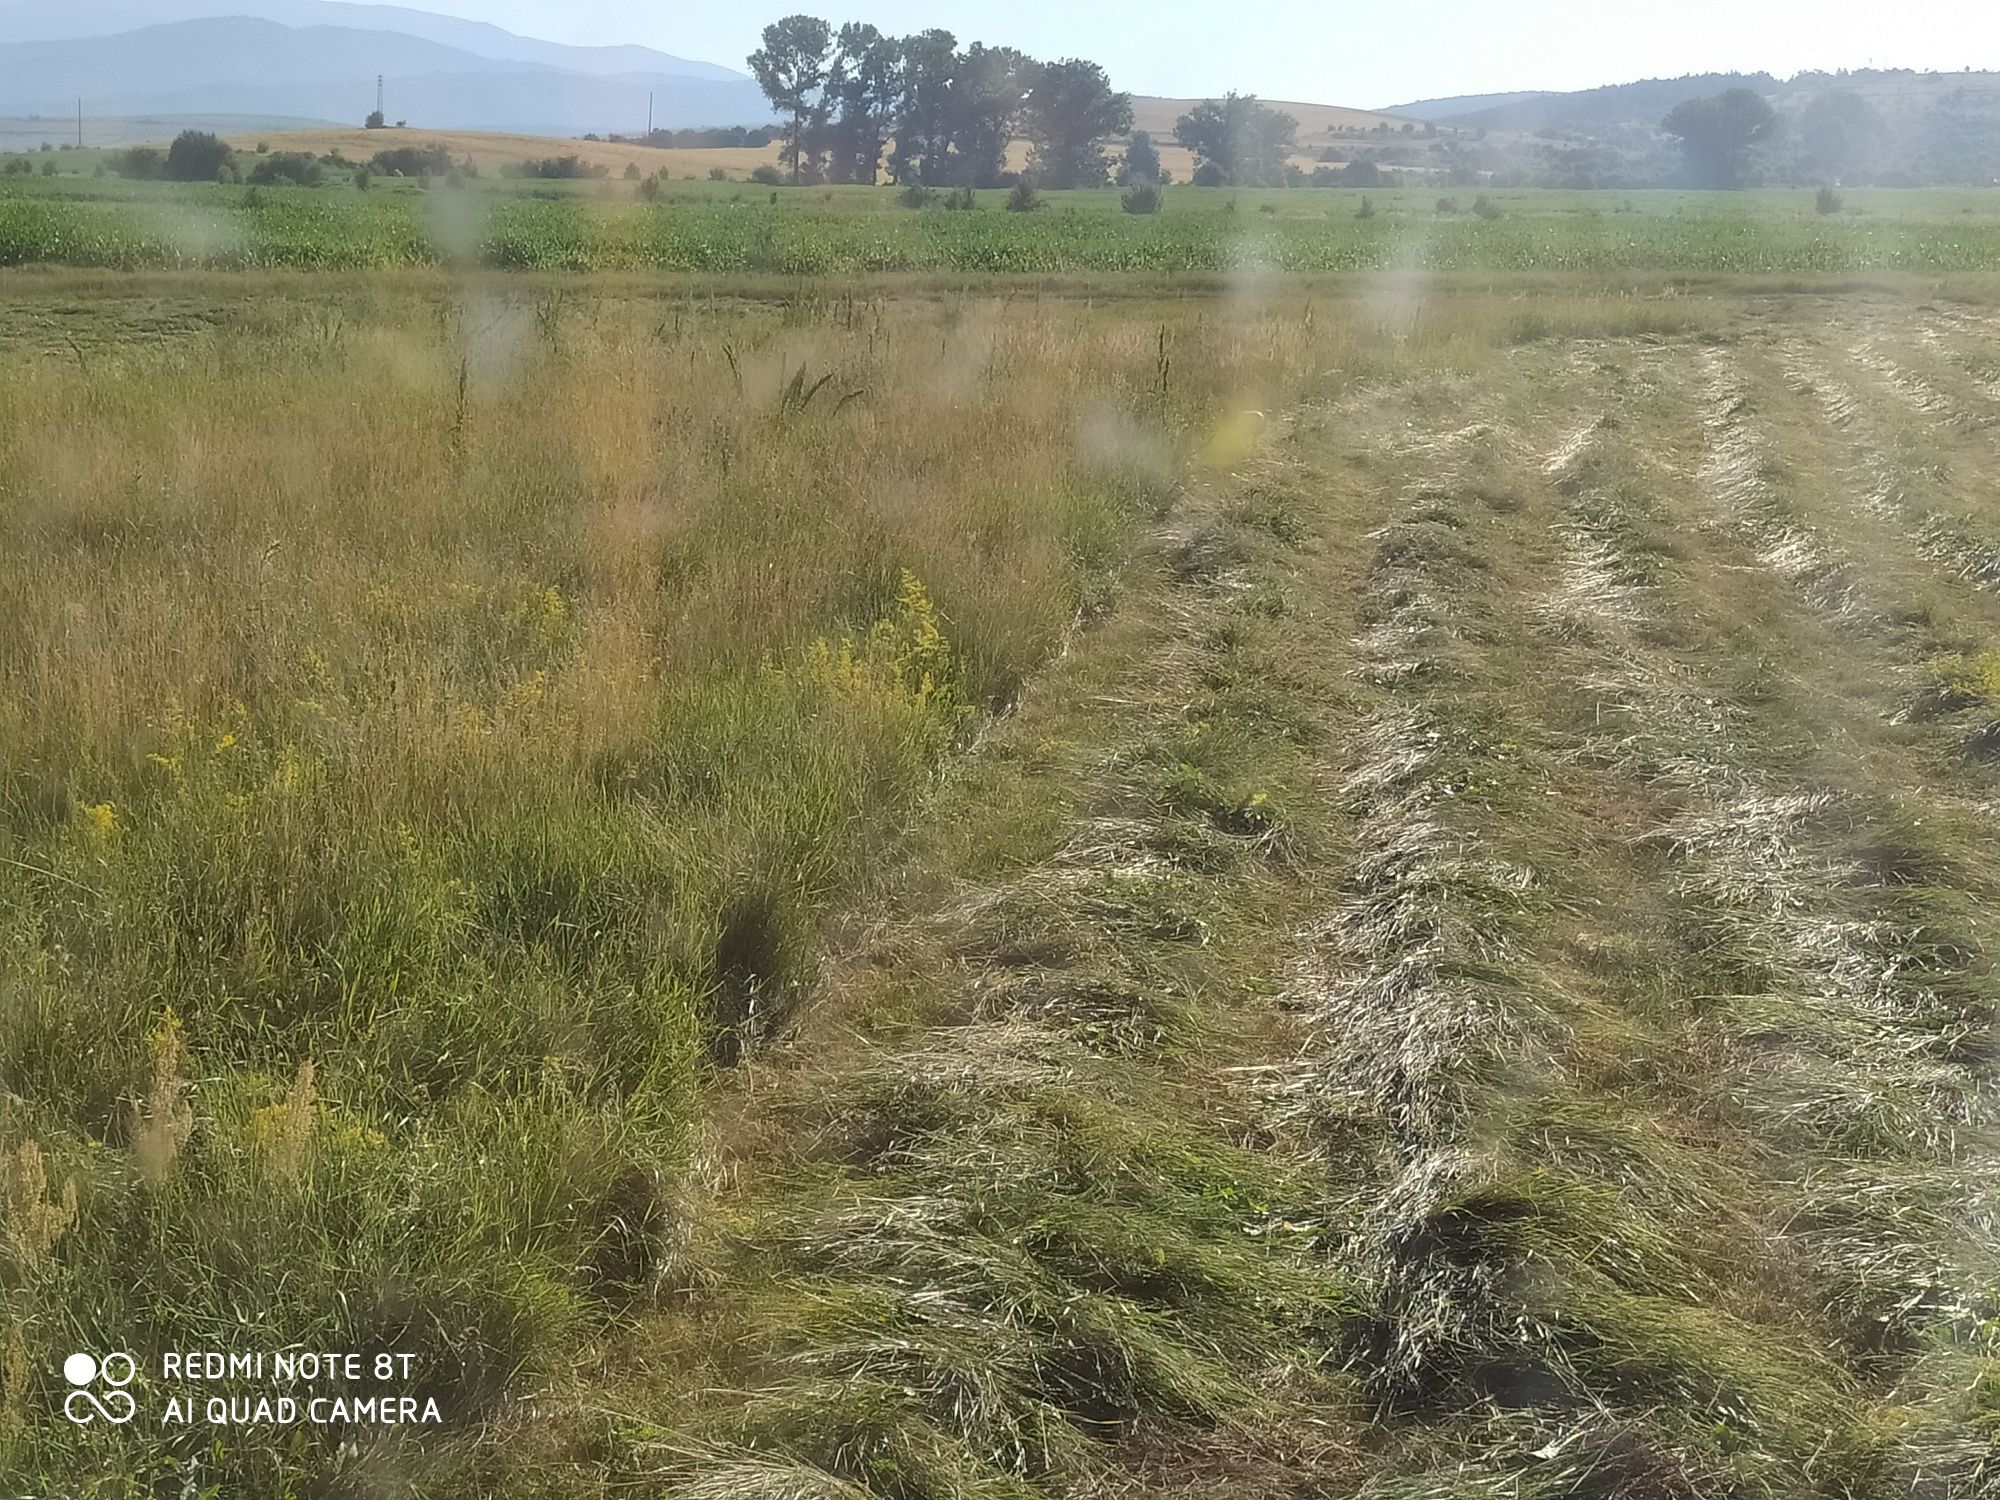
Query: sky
(1366,53)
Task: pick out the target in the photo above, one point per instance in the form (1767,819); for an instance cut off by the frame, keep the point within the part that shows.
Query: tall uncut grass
(435,725)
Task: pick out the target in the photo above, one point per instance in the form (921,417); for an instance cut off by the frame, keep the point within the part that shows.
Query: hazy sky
(1365,52)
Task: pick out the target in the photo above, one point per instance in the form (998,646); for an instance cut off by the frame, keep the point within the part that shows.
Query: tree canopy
(1717,133)
(951,111)
(1071,110)
(1238,140)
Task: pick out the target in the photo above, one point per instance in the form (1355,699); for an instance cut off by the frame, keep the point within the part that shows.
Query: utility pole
(378,99)
(79,122)
(649,114)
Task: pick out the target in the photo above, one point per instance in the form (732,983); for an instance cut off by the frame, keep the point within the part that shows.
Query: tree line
(846,94)
(855,103)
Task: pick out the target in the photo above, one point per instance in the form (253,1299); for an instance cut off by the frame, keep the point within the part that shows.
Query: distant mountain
(72,20)
(1458,104)
(237,65)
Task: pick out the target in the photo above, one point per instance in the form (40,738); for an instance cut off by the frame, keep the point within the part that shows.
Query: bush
(362,177)
(1447,205)
(1025,198)
(1208,174)
(557,169)
(1143,199)
(962,200)
(17,166)
(916,195)
(1828,201)
(768,176)
(139,163)
(717,174)
(411,161)
(374,120)
(293,167)
(198,156)
(649,190)
(1486,208)
(1366,211)
(49,167)
(632,172)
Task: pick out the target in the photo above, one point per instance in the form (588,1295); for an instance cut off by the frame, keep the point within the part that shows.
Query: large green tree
(791,68)
(988,92)
(923,117)
(1718,133)
(863,89)
(1071,110)
(1238,140)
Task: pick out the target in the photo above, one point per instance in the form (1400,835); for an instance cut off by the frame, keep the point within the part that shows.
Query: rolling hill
(1458,104)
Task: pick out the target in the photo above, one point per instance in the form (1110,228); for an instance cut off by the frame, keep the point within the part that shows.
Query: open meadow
(1290,854)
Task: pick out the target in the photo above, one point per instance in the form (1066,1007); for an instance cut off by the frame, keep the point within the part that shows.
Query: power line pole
(378,99)
(79,122)
(649,114)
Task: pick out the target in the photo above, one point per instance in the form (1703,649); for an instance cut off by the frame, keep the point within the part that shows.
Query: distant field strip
(332,229)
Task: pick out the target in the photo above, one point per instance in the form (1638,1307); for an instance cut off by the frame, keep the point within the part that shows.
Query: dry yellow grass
(490,151)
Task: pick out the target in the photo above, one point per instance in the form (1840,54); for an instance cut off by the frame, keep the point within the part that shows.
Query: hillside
(1458,104)
(239,65)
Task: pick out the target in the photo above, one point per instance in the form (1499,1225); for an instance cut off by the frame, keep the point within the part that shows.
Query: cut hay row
(1548,1311)
(1942,331)
(1844,1017)
(1734,473)
(1885,486)
(1915,392)
(1024,1233)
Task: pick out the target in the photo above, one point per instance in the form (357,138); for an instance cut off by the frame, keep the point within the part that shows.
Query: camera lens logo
(84,1405)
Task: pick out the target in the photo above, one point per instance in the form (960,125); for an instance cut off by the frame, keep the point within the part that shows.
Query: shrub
(632,172)
(139,163)
(362,177)
(17,166)
(411,161)
(1447,205)
(916,195)
(649,190)
(1208,174)
(1486,208)
(1143,199)
(1828,201)
(198,156)
(557,169)
(374,120)
(1366,211)
(717,174)
(962,200)
(294,167)
(768,176)
(49,167)
(1025,198)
